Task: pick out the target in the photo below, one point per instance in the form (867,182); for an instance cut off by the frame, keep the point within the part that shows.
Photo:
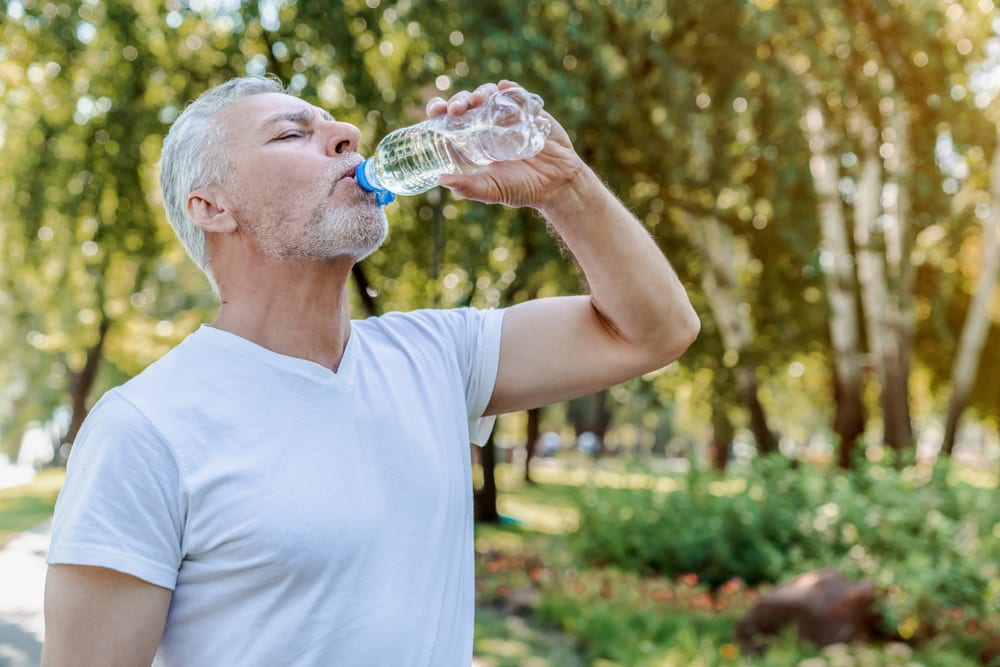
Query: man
(289,487)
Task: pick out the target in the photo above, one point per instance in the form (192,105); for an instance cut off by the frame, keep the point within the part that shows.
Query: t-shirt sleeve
(481,362)
(122,505)
(473,340)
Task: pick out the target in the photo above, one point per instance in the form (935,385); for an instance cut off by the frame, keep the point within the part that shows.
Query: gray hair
(194,155)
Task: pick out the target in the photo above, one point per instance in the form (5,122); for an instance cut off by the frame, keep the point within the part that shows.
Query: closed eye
(291,134)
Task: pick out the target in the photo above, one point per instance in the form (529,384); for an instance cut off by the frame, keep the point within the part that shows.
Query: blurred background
(823,174)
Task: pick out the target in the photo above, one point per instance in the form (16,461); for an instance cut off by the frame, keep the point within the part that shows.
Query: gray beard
(355,230)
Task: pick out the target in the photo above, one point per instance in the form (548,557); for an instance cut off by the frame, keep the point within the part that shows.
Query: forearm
(633,288)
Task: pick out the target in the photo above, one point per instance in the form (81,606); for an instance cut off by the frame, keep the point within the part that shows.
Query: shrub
(929,542)
(754,533)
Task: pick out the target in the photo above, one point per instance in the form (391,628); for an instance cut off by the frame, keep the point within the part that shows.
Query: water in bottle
(411,160)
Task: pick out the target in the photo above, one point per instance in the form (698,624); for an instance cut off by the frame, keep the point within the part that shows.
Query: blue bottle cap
(382,196)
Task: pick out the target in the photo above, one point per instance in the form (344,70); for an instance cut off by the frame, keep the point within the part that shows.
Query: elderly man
(291,487)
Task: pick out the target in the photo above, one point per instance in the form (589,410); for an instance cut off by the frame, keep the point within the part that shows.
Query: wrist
(575,197)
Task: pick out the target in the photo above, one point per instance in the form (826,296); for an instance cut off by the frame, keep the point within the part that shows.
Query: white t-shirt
(302,517)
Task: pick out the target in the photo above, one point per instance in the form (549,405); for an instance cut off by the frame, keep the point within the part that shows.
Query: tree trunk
(11,437)
(531,436)
(849,417)
(436,202)
(726,301)
(977,319)
(591,414)
(722,436)
(485,497)
(364,290)
(902,273)
(767,442)
(871,254)
(732,316)
(896,399)
(82,382)
(848,422)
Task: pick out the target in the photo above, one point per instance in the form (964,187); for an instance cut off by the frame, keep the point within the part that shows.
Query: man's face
(293,185)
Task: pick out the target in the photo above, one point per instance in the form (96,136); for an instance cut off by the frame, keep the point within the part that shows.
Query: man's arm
(101,618)
(637,317)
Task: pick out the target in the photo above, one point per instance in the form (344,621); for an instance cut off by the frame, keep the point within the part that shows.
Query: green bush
(931,543)
(755,534)
(619,620)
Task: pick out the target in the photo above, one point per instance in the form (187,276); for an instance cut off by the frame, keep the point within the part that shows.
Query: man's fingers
(436,106)
(483,93)
(461,101)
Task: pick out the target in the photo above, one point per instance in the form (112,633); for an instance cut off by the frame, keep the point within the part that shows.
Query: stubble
(343,221)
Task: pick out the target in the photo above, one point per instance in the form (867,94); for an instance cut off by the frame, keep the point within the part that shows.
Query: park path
(22,581)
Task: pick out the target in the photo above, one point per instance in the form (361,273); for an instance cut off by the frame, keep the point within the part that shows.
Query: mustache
(342,170)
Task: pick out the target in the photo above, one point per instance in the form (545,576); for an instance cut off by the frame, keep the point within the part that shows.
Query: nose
(342,138)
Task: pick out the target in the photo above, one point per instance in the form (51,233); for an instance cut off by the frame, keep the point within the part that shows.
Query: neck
(296,309)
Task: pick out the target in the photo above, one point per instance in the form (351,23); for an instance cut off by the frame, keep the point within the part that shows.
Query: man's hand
(537,181)
(637,317)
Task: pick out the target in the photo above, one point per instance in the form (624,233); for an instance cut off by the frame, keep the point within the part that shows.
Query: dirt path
(22,581)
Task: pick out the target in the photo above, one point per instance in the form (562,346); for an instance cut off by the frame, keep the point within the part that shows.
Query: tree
(891,115)
(85,240)
(705,118)
(849,423)
(977,321)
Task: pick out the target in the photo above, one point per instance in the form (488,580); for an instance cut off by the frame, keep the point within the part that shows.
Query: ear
(209,209)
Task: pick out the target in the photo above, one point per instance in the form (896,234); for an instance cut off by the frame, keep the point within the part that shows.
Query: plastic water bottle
(411,160)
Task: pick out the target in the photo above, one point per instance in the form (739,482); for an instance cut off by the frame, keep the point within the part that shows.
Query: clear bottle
(411,160)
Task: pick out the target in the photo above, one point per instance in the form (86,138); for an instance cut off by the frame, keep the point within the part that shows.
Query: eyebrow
(300,116)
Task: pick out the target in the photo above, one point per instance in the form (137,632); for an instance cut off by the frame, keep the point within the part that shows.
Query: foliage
(749,534)
(689,111)
(620,619)
(621,615)
(928,541)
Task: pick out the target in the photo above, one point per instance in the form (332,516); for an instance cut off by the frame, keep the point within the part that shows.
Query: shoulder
(128,419)
(207,364)
(112,412)
(439,325)
(117,428)
(465,341)
(182,361)
(123,502)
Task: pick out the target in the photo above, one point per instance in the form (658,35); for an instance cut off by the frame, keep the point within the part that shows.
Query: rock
(990,651)
(521,601)
(823,607)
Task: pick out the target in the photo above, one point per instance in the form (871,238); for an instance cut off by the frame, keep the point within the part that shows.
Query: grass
(24,507)
(511,641)
(543,514)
